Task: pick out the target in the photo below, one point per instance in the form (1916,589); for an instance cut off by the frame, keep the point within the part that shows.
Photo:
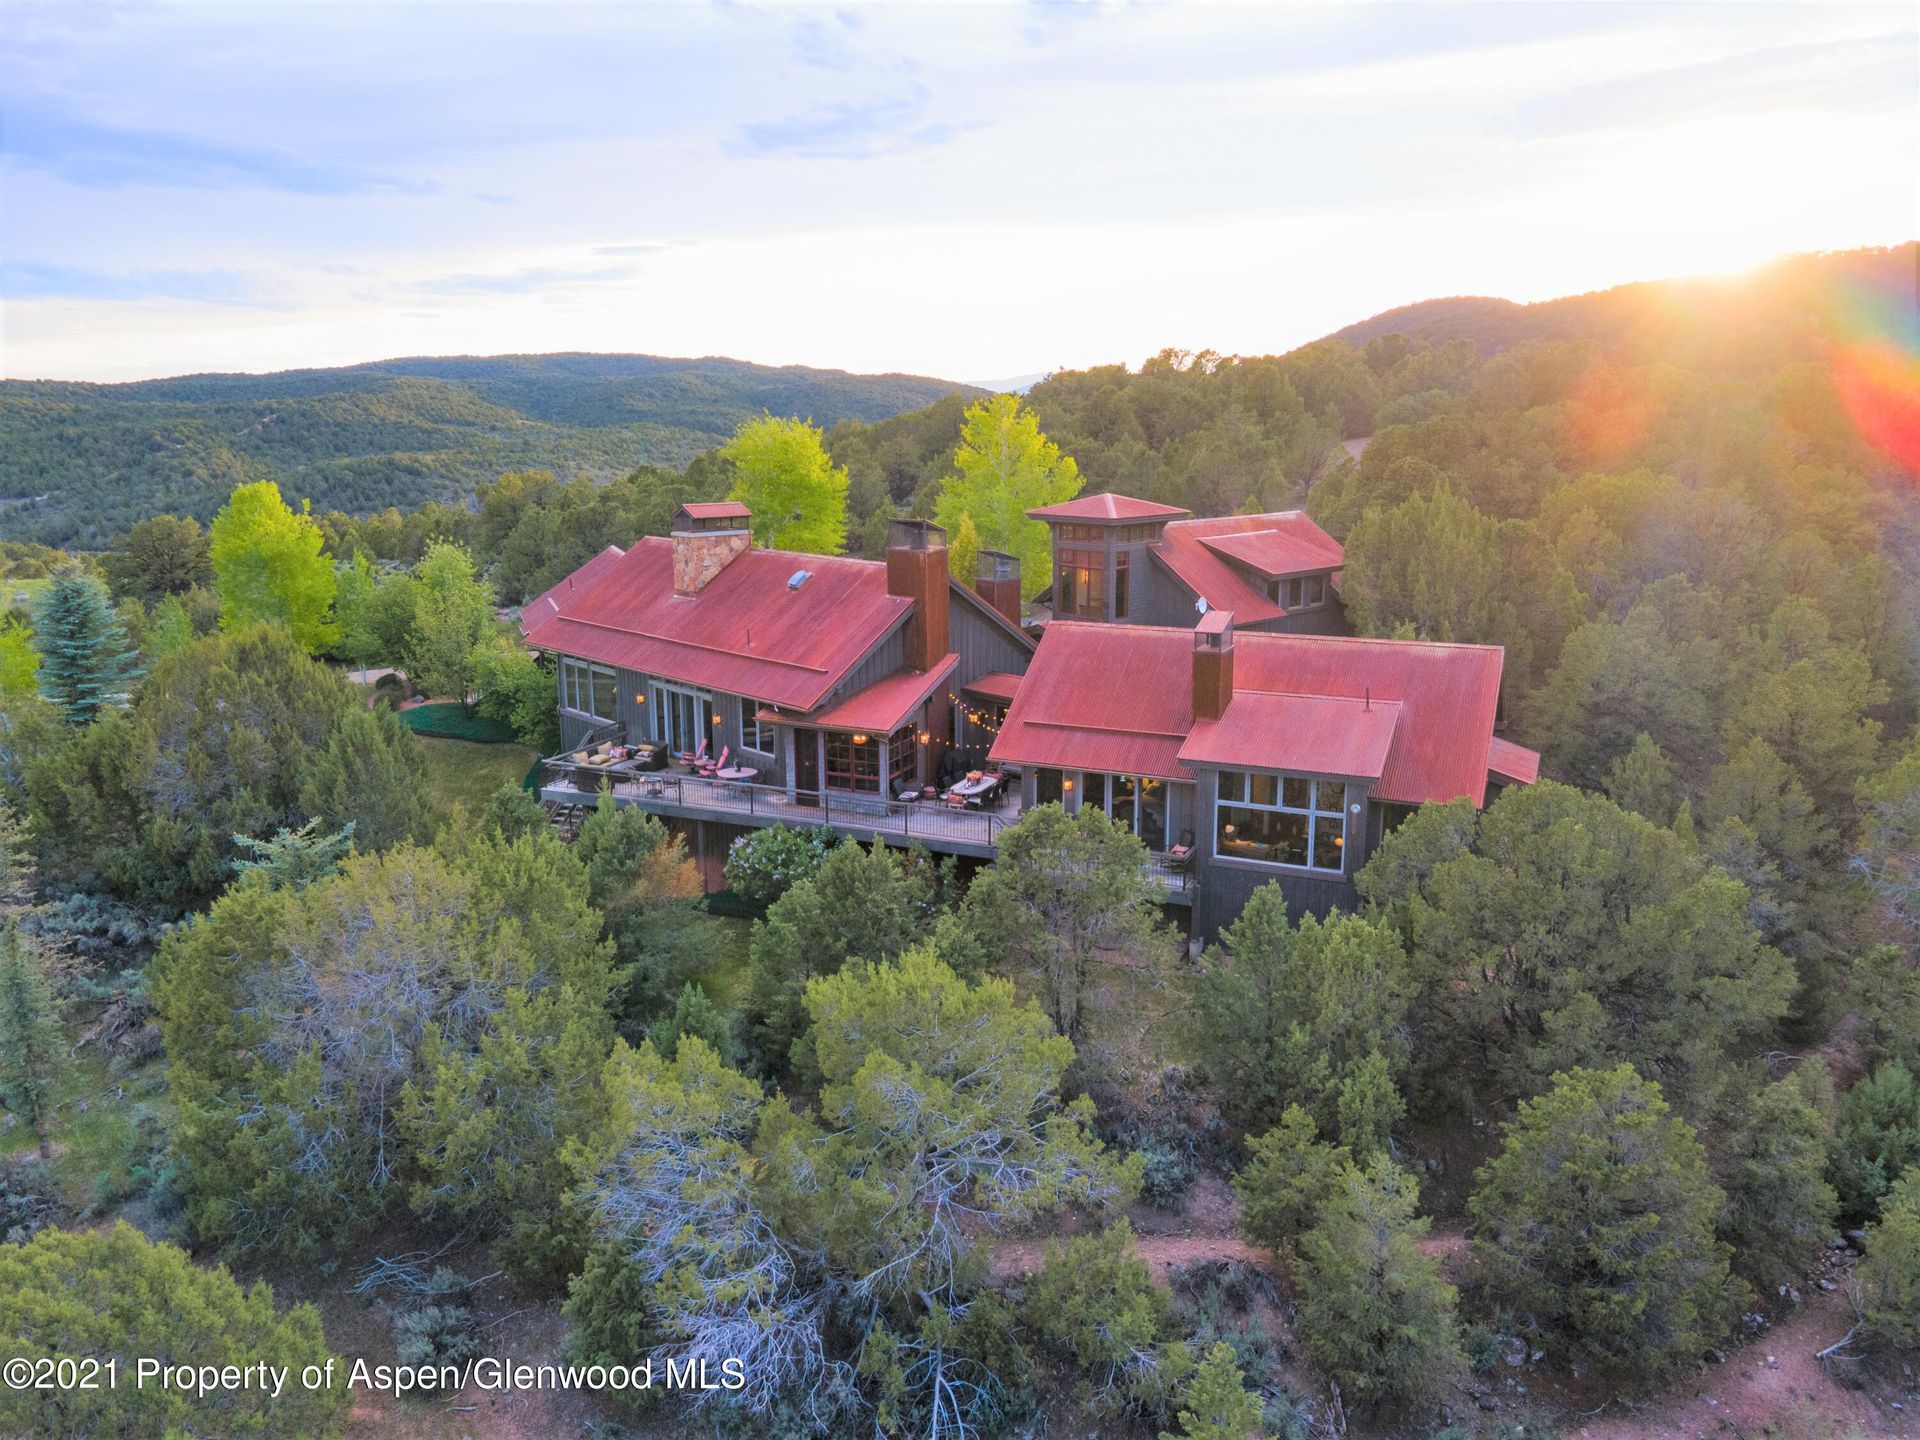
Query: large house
(1191,680)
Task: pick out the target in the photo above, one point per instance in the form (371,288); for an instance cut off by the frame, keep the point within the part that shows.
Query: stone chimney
(998,582)
(1213,665)
(706,537)
(917,570)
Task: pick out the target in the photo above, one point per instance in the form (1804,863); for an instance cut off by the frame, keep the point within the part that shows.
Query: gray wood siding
(983,646)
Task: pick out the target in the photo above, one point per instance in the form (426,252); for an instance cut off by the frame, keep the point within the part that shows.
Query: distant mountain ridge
(85,460)
(1781,303)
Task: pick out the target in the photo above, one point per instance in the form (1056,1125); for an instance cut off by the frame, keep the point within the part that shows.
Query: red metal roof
(546,606)
(1311,734)
(1295,549)
(994,685)
(883,706)
(1107,507)
(1119,698)
(1513,762)
(747,632)
(717,510)
(1187,548)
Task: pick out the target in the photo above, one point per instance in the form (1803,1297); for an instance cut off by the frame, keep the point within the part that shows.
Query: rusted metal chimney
(997,581)
(917,570)
(1213,665)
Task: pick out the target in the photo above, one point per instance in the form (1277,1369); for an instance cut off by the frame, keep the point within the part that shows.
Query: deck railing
(923,819)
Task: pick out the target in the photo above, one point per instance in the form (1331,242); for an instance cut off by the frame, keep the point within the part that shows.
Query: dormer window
(1299,592)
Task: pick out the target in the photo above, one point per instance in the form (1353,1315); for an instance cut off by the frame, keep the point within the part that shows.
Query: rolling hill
(80,462)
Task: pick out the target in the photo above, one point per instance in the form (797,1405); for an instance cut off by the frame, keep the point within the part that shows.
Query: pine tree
(1288,1178)
(1377,1316)
(1878,1136)
(85,658)
(31,1045)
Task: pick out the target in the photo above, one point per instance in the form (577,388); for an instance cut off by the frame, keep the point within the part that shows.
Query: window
(853,762)
(588,690)
(1138,802)
(1046,786)
(1281,820)
(1302,592)
(755,734)
(1080,586)
(1120,584)
(903,760)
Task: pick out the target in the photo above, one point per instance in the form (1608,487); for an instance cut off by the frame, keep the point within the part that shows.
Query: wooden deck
(933,823)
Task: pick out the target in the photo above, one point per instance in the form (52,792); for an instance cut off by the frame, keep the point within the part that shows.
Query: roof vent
(798,578)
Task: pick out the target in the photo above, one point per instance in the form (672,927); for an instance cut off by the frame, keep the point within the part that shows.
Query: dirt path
(1773,1381)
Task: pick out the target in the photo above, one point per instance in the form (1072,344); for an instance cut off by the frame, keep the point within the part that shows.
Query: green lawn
(461,773)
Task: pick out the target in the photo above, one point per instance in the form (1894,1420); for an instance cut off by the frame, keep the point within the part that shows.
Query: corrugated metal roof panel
(1120,698)
(885,705)
(1513,762)
(1290,550)
(746,633)
(994,685)
(717,510)
(1107,507)
(1307,734)
(546,606)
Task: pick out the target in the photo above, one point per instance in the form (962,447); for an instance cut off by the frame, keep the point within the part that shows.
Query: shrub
(764,864)
(118,1295)
(1889,1275)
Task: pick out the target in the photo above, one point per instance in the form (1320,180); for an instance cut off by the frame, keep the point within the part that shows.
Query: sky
(973,191)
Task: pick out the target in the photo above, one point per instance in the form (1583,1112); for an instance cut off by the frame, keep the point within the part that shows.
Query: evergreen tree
(784,475)
(1595,1224)
(695,1015)
(1377,1316)
(640,877)
(367,778)
(86,660)
(1642,781)
(293,859)
(115,1295)
(861,904)
(268,565)
(32,1047)
(1889,1275)
(1877,1137)
(160,556)
(1285,1014)
(1290,1174)
(1216,1404)
(1780,1209)
(1006,467)
(1063,895)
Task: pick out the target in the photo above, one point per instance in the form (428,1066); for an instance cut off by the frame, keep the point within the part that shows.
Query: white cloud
(972,190)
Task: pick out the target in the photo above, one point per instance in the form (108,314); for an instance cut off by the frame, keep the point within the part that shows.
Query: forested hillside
(79,463)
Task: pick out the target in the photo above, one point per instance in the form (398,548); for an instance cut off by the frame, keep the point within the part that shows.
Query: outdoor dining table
(736,773)
(974,787)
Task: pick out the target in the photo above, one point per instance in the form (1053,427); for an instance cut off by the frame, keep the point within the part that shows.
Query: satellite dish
(1200,605)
